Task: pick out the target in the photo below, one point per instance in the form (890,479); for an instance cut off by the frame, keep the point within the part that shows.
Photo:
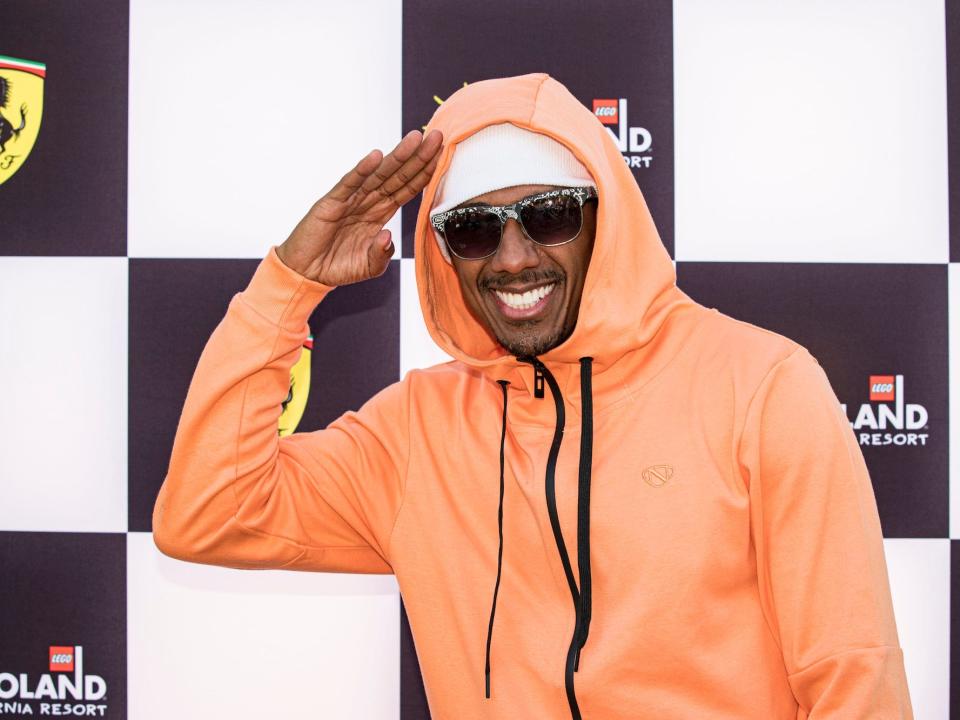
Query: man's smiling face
(493,288)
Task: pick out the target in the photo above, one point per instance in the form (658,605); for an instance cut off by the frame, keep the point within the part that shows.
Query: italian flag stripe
(25,65)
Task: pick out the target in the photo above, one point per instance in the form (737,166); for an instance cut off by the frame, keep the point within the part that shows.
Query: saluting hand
(342,239)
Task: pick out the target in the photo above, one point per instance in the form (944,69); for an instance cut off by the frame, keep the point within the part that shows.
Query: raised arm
(236,493)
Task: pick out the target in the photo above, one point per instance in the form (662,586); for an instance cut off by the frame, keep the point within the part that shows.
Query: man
(613,503)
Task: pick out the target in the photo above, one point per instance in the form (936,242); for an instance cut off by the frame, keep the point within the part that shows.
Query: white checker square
(63,419)
(273,104)
(212,642)
(810,132)
(919,571)
(417,348)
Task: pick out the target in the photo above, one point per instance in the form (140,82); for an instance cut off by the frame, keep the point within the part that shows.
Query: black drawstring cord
(549,484)
(582,596)
(551,498)
(583,503)
(493,607)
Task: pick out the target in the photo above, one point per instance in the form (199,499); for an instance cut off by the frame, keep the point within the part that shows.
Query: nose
(516,252)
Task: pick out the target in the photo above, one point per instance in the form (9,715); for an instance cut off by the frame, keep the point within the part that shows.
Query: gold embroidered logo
(657,475)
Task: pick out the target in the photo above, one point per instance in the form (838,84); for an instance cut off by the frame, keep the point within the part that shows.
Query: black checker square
(175,304)
(611,50)
(413,695)
(69,197)
(865,323)
(63,630)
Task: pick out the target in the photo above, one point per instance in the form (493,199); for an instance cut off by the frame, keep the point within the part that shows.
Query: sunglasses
(549,218)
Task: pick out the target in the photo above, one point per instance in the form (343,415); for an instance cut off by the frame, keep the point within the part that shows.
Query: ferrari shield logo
(21,106)
(296,402)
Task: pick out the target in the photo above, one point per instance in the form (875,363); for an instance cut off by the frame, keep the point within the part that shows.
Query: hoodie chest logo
(657,475)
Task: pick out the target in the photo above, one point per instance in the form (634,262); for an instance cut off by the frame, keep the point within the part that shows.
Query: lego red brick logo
(61,658)
(606,111)
(881,388)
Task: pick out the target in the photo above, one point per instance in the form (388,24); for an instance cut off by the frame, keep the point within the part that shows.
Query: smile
(523,305)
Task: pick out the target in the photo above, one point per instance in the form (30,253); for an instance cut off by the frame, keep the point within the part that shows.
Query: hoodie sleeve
(239,495)
(821,567)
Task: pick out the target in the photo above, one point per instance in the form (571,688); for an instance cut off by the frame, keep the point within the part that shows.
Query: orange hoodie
(682,527)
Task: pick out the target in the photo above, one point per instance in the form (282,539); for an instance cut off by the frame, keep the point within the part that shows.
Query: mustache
(524,278)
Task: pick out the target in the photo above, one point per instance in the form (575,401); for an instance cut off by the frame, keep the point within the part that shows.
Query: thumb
(380,252)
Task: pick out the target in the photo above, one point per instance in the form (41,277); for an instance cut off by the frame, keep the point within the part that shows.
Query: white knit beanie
(501,156)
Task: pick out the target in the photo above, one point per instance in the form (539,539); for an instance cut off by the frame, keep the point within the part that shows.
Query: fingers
(386,175)
(354,179)
(416,184)
(392,162)
(403,173)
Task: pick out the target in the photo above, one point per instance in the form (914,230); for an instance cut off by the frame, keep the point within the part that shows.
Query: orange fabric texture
(738,569)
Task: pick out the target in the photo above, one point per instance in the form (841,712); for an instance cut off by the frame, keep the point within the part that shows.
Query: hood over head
(630,284)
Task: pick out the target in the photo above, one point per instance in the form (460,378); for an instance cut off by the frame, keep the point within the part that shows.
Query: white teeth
(522,301)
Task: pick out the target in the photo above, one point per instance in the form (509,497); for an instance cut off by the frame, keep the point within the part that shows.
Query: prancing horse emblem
(21,107)
(657,475)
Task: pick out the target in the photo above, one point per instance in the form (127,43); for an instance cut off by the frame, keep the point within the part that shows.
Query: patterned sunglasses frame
(504,212)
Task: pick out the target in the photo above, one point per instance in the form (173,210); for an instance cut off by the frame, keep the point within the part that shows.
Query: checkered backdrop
(795,157)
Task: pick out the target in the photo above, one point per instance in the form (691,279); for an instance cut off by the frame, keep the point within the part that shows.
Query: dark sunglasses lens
(552,220)
(473,234)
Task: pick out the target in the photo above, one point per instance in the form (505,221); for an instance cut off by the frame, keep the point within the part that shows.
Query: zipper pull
(537,381)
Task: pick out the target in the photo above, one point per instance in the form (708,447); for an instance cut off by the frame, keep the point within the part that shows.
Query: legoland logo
(16,689)
(901,421)
(61,659)
(881,388)
(607,111)
(633,142)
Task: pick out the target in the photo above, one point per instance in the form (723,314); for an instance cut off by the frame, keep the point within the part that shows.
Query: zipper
(573,651)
